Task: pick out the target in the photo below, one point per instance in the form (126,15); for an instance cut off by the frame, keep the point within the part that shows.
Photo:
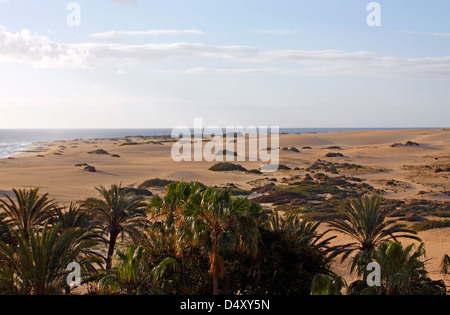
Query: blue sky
(160,64)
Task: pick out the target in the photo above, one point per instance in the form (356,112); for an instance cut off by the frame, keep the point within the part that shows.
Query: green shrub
(430,224)
(442,214)
(138,191)
(225,167)
(155,182)
(312,189)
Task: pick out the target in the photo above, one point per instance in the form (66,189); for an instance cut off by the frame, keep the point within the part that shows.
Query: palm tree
(222,223)
(129,272)
(326,285)
(403,271)
(5,231)
(168,222)
(28,210)
(446,265)
(169,211)
(132,274)
(74,217)
(365,221)
(118,212)
(303,232)
(37,265)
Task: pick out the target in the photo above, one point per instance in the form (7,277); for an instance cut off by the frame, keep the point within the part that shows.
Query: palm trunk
(215,284)
(112,244)
(186,285)
(215,277)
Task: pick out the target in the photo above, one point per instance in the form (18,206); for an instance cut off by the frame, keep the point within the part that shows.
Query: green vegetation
(137,191)
(332,154)
(430,224)
(119,211)
(130,143)
(365,221)
(420,207)
(195,240)
(155,182)
(312,188)
(403,273)
(406,144)
(226,167)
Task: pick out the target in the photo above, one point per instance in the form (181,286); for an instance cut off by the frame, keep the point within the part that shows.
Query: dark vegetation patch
(99,151)
(440,170)
(129,142)
(226,152)
(311,188)
(333,154)
(319,198)
(90,169)
(87,167)
(406,144)
(279,195)
(401,208)
(335,168)
(292,149)
(235,191)
(413,217)
(254,171)
(138,191)
(283,167)
(430,224)
(155,182)
(281,267)
(264,188)
(225,167)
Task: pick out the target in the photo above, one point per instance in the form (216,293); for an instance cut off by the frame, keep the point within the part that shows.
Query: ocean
(13,141)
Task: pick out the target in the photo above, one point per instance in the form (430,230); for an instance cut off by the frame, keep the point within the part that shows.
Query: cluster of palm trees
(191,240)
(376,239)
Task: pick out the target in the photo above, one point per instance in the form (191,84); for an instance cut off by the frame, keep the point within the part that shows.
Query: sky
(286,63)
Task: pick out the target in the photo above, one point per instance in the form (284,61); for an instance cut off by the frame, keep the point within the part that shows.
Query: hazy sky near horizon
(287,63)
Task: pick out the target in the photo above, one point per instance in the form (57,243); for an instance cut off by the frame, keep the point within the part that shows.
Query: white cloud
(133,3)
(41,52)
(274,32)
(436,34)
(117,35)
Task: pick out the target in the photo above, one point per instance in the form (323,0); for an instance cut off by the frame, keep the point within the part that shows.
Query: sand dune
(413,167)
(57,173)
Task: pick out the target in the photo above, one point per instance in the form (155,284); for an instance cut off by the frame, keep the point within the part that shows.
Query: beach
(404,164)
